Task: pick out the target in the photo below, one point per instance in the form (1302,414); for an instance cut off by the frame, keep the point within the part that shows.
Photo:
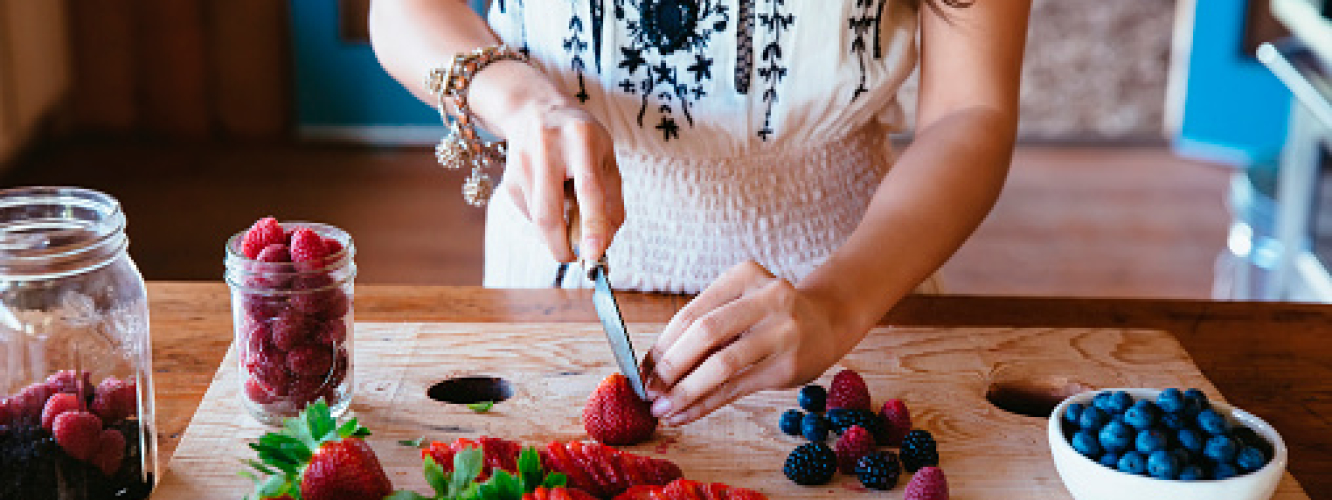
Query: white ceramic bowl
(1088,480)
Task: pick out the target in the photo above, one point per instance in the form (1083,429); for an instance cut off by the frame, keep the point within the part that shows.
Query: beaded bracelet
(461,145)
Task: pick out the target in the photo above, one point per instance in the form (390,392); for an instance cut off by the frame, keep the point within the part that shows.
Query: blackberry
(814,427)
(813,398)
(790,422)
(879,470)
(811,464)
(841,419)
(919,450)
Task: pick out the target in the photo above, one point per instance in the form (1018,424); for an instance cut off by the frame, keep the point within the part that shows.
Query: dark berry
(1071,413)
(1191,440)
(919,450)
(1172,421)
(1170,400)
(1224,470)
(1086,443)
(879,470)
(813,398)
(1190,473)
(1250,459)
(1141,415)
(841,419)
(1162,464)
(1212,422)
(1092,419)
(814,427)
(1133,462)
(1149,441)
(1220,449)
(811,464)
(790,422)
(1116,437)
(1248,437)
(1119,402)
(1101,401)
(1195,400)
(1110,460)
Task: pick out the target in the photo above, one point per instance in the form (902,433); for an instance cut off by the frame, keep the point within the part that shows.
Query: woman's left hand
(748,331)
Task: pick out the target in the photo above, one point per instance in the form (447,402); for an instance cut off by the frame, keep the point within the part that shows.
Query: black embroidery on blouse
(878,30)
(598,10)
(576,45)
(744,45)
(773,69)
(860,25)
(657,29)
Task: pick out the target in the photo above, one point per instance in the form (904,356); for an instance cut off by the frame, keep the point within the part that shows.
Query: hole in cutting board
(1032,398)
(468,390)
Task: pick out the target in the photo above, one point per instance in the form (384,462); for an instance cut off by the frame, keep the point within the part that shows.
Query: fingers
(586,159)
(708,335)
(728,287)
(739,369)
(547,204)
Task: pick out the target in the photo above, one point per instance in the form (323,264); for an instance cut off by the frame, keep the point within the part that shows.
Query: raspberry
(333,246)
(813,398)
(305,390)
(274,253)
(848,390)
(841,419)
(878,470)
(57,404)
(919,450)
(255,337)
(264,232)
(29,402)
(110,452)
(259,392)
(259,307)
(855,443)
(790,422)
(7,415)
(333,331)
(290,329)
(115,400)
(811,464)
(896,421)
(310,361)
(319,295)
(67,381)
(308,247)
(928,484)
(268,366)
(78,433)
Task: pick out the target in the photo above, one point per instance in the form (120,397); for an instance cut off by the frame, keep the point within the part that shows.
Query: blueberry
(790,422)
(1182,456)
(1092,419)
(1116,437)
(1141,415)
(1250,459)
(1190,473)
(1191,440)
(812,398)
(1149,441)
(1119,402)
(1072,412)
(1224,470)
(1170,400)
(1194,402)
(1101,401)
(1162,465)
(1220,449)
(1132,462)
(1212,422)
(1085,442)
(1172,421)
(1109,459)
(814,427)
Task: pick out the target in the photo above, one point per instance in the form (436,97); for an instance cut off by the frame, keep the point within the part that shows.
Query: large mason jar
(76,390)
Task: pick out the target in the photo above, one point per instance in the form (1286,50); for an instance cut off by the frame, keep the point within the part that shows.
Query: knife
(603,300)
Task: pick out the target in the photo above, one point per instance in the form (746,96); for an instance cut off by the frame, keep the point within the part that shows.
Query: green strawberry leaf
(555,480)
(319,420)
(481,407)
(275,486)
(434,476)
(466,467)
(506,486)
(351,428)
(406,495)
(298,428)
(414,443)
(259,466)
(529,469)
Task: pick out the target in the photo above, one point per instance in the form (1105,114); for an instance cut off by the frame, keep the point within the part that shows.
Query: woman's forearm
(939,191)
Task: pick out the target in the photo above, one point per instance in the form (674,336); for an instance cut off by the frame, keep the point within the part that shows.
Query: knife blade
(603,301)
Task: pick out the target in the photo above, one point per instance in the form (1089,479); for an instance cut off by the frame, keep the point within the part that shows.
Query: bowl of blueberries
(1171,443)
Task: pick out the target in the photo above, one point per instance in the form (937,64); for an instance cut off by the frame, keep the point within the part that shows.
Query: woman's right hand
(551,140)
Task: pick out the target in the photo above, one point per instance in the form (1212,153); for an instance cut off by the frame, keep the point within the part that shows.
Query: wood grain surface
(944,374)
(1272,359)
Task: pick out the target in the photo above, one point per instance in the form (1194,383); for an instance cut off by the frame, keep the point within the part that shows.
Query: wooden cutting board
(943,374)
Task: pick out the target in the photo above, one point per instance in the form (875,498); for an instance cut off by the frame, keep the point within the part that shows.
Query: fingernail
(675,419)
(661,407)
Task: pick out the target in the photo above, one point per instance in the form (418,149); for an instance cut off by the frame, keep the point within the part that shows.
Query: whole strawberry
(264,232)
(896,420)
(848,390)
(854,444)
(928,483)
(615,415)
(314,458)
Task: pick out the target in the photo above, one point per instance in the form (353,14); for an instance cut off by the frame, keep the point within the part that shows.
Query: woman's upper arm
(971,58)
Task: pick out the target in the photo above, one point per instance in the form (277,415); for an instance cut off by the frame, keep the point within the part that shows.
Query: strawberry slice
(684,489)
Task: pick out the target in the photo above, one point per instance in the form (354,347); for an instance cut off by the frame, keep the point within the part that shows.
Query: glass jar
(76,418)
(292,323)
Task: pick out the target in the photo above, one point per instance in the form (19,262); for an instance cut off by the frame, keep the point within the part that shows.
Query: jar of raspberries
(291,300)
(76,390)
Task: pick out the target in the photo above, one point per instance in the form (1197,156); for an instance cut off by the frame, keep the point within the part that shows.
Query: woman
(737,149)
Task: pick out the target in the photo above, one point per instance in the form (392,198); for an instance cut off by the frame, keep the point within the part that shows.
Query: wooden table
(1274,360)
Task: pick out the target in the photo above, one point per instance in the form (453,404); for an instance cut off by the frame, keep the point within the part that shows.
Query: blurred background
(1152,142)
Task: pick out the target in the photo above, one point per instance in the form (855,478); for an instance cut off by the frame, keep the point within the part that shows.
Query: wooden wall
(180,69)
(34,67)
